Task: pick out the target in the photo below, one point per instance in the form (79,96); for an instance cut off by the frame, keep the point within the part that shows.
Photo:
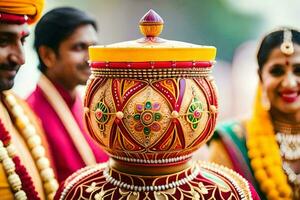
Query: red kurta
(66,157)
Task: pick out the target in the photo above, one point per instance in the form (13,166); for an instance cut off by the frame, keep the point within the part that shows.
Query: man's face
(71,64)
(12,37)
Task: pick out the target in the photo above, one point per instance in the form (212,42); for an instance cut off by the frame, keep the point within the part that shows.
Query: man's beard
(84,67)
(8,72)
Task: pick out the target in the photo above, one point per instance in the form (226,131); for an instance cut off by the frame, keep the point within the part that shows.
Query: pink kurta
(66,157)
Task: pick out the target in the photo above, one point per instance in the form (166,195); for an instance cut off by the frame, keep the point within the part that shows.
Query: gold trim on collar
(65,115)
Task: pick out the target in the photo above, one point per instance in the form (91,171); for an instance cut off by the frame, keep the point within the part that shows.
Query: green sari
(233,137)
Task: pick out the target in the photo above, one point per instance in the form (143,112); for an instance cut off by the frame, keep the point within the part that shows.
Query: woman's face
(280,77)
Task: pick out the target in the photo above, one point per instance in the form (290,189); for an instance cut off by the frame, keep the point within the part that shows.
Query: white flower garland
(6,155)
(34,143)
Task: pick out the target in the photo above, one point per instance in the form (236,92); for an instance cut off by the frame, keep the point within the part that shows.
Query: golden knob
(151,24)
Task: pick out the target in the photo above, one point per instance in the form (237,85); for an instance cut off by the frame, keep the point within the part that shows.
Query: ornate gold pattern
(154,92)
(162,105)
(91,184)
(152,73)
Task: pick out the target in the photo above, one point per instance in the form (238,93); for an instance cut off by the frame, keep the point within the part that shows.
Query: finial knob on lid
(151,24)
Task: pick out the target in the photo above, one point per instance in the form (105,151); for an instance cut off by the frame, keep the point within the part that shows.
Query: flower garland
(264,154)
(21,183)
(12,168)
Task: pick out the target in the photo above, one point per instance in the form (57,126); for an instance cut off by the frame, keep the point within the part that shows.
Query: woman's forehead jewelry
(287,47)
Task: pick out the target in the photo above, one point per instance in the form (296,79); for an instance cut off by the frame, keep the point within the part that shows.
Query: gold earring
(265,102)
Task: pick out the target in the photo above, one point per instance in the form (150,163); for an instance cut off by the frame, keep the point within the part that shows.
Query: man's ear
(47,55)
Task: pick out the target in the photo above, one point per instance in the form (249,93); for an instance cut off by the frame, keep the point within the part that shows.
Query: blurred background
(234,27)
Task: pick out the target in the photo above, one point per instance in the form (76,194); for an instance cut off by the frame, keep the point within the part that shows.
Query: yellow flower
(285,191)
(264,154)
(268,185)
(267,161)
(260,175)
(253,153)
(251,144)
(273,194)
(256,163)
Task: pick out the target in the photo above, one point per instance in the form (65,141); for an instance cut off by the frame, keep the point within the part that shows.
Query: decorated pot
(150,104)
(151,100)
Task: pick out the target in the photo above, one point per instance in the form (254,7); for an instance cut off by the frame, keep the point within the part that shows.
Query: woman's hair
(271,41)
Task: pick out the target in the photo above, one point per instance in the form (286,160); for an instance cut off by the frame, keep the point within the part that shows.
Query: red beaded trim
(27,183)
(13,19)
(4,135)
(152,65)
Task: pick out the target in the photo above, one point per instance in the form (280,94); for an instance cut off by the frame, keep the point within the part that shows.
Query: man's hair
(56,26)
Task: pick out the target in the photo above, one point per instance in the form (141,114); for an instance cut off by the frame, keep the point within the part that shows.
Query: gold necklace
(33,141)
(286,128)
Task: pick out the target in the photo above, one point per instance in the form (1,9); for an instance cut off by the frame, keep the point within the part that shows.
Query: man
(62,38)
(25,171)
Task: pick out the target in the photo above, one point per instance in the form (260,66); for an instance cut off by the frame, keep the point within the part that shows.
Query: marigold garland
(264,154)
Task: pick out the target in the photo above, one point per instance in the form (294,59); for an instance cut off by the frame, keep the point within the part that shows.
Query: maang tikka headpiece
(287,47)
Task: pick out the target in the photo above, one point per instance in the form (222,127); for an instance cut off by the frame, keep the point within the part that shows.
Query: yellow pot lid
(151,47)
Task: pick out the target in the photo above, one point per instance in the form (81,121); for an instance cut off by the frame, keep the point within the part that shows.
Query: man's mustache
(9,66)
(83,66)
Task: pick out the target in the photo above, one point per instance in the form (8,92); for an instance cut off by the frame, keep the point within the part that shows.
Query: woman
(265,149)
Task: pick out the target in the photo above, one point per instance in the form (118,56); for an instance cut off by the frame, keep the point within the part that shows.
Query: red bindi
(287,62)
(24,33)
